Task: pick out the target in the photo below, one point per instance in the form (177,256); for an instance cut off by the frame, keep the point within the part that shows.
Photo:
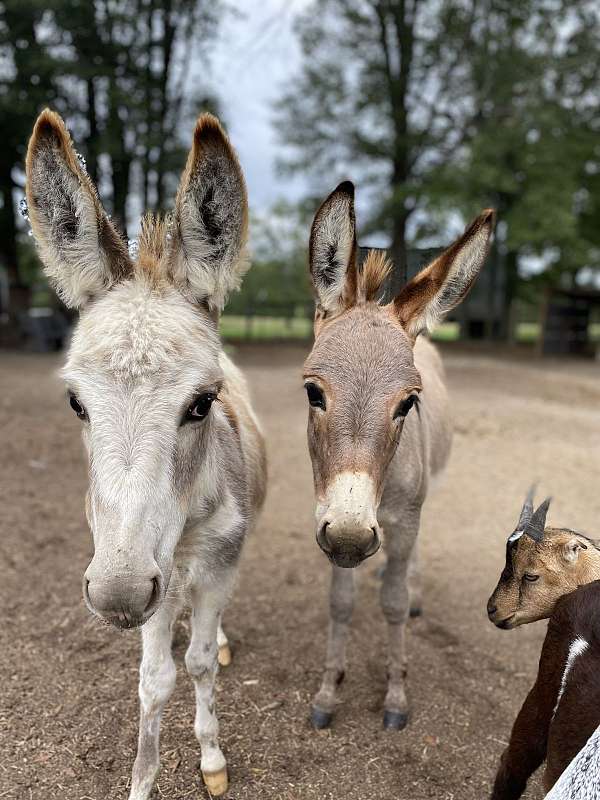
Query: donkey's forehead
(137,330)
(364,344)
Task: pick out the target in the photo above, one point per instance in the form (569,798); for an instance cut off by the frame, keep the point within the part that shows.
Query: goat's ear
(332,248)
(571,550)
(442,285)
(82,253)
(207,258)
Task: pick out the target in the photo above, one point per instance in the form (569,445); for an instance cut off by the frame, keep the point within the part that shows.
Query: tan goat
(553,572)
(542,565)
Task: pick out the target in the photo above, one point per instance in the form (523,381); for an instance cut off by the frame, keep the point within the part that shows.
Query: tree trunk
(511,267)
(168,40)
(396,34)
(398,246)
(8,228)
(92,139)
(120,162)
(19,294)
(121,166)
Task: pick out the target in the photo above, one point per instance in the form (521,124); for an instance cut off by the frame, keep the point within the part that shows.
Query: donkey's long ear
(82,253)
(207,258)
(446,281)
(332,248)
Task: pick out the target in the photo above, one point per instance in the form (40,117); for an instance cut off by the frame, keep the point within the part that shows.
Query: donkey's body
(373,458)
(177,462)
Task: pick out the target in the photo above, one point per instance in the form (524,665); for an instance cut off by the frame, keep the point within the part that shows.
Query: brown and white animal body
(551,572)
(562,710)
(542,565)
(176,459)
(372,456)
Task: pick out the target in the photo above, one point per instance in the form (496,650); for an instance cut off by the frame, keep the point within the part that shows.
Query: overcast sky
(255,55)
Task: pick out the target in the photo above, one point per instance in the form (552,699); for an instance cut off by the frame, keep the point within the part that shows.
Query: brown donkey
(176,459)
(373,460)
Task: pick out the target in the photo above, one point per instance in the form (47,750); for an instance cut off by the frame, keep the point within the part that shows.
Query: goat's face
(537,574)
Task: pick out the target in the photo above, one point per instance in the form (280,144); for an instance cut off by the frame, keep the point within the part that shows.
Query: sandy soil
(68,710)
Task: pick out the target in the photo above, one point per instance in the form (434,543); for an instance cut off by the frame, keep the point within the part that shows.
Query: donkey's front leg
(415,588)
(201,660)
(157,681)
(395,602)
(341,605)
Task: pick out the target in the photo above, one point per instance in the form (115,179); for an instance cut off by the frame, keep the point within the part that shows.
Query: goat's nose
(124,601)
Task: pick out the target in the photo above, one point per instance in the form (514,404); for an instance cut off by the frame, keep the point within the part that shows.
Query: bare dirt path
(68,704)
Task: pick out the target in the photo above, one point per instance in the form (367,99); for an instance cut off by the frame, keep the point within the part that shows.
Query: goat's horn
(527,510)
(535,527)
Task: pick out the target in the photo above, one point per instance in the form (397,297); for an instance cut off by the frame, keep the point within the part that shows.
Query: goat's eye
(405,406)
(77,407)
(200,407)
(315,396)
(529,577)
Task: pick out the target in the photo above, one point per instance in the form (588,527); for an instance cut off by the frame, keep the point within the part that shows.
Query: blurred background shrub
(435,108)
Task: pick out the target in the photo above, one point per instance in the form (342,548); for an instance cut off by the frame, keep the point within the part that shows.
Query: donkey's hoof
(394,720)
(224,655)
(416,611)
(216,782)
(320,719)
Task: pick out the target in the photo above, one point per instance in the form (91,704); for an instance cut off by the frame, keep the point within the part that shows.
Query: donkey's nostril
(322,539)
(125,601)
(154,597)
(374,545)
(491,609)
(86,593)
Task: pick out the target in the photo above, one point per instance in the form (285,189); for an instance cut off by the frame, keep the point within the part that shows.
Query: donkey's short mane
(375,269)
(152,243)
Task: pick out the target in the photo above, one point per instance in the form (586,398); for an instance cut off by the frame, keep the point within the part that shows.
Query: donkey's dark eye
(77,407)
(405,406)
(315,396)
(200,407)
(531,578)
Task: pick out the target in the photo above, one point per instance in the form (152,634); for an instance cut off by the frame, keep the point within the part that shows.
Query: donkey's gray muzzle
(347,549)
(124,601)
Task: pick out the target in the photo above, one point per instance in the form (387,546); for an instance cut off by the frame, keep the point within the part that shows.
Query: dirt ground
(68,685)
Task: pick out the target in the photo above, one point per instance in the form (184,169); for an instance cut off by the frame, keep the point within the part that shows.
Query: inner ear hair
(441,286)
(332,249)
(82,252)
(207,258)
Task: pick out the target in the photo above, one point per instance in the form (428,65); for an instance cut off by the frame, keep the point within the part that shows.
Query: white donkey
(176,458)
(373,458)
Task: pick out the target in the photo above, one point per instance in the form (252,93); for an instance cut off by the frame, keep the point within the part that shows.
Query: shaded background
(435,108)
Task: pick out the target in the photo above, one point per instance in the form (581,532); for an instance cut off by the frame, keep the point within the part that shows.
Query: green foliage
(371,101)
(119,73)
(531,143)
(278,282)
(452,106)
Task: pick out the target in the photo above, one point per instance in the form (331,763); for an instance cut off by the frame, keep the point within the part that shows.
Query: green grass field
(273,328)
(265,328)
